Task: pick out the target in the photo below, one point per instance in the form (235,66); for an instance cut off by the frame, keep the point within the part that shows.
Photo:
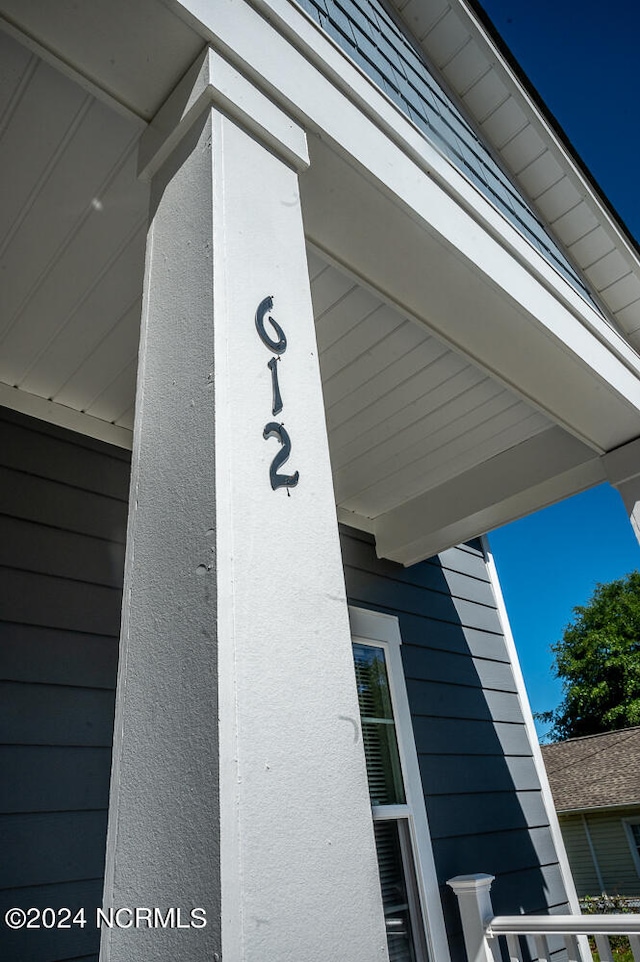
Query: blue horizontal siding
(482,791)
(481,787)
(62,532)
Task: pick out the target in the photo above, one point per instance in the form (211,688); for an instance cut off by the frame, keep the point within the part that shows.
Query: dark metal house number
(273,429)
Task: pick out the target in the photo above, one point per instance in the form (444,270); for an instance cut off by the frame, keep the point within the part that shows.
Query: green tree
(598,660)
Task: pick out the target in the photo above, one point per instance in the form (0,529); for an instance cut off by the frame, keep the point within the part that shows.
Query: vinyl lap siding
(482,792)
(611,844)
(579,855)
(610,841)
(62,531)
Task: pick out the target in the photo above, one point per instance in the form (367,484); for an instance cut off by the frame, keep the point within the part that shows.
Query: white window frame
(378,630)
(633,845)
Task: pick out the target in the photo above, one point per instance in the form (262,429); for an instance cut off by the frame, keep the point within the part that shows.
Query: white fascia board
(527,477)
(65,417)
(307,74)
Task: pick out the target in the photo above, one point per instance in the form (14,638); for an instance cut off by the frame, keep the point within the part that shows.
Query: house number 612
(277,344)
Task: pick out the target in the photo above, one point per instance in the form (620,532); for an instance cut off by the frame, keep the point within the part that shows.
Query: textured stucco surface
(255,805)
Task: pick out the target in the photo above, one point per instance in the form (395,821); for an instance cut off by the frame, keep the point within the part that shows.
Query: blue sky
(551,561)
(582,59)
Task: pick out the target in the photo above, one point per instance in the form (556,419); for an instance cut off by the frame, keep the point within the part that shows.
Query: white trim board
(65,417)
(635,853)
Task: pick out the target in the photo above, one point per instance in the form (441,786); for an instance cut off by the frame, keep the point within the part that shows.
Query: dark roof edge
(582,738)
(619,806)
(553,122)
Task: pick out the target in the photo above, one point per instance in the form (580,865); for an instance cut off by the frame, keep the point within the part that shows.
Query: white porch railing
(542,937)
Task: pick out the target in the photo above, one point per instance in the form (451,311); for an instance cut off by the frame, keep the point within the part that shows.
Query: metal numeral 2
(274,430)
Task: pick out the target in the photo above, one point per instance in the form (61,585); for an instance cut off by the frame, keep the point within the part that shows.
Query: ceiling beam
(527,477)
(132,69)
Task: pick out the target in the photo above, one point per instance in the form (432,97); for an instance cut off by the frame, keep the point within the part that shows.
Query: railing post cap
(470,883)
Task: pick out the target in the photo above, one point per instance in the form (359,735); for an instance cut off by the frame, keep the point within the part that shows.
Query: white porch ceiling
(72,235)
(406,414)
(132,54)
(138,66)
(400,405)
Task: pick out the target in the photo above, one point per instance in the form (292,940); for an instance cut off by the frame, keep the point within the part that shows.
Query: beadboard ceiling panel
(404,412)
(72,235)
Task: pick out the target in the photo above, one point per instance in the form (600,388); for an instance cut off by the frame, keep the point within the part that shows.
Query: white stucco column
(238,778)
(623,471)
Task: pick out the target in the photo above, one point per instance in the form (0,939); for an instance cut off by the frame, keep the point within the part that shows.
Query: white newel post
(623,470)
(474,903)
(238,781)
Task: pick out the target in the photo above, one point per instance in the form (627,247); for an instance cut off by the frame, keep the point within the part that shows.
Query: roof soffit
(457,43)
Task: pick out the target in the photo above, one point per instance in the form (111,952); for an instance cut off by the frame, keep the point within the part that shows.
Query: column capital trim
(213,81)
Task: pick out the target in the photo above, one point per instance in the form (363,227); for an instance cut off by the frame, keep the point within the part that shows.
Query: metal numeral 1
(277,400)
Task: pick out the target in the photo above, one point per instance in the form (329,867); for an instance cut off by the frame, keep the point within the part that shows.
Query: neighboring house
(595,783)
(384,311)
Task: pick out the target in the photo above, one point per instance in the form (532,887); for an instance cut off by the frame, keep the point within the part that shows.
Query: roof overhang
(386,215)
(456,38)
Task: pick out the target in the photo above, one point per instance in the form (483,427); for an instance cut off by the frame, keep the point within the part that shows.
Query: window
(413,916)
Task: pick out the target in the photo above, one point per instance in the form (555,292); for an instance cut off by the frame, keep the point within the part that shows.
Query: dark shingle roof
(596,771)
